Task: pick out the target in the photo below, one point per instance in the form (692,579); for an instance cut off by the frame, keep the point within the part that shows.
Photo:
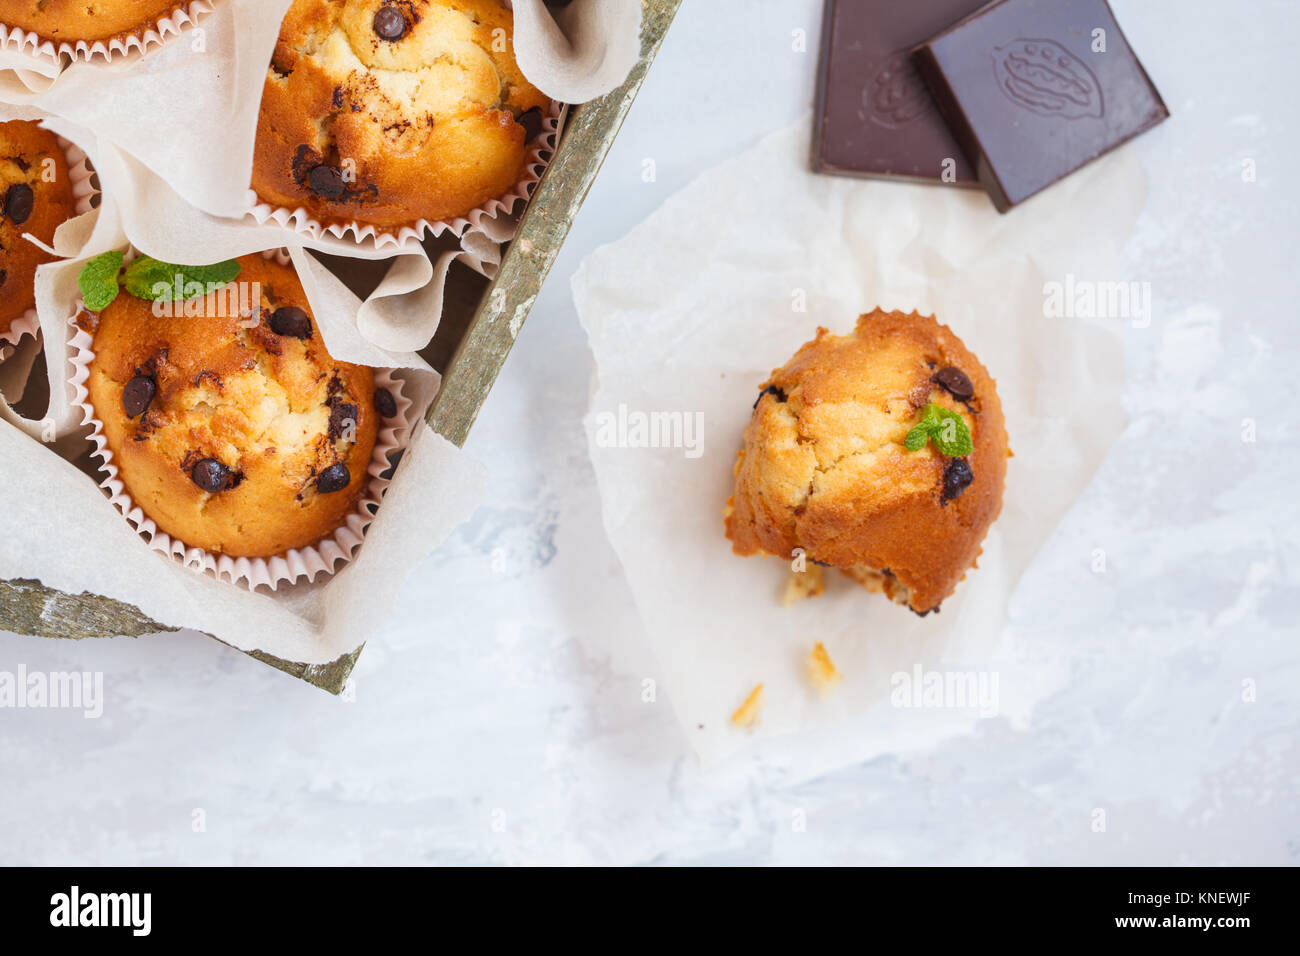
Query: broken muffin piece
(881,453)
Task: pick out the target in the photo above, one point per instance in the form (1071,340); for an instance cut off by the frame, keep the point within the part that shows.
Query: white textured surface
(512,683)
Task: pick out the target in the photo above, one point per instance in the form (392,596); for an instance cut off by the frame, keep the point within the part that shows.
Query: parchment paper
(693,309)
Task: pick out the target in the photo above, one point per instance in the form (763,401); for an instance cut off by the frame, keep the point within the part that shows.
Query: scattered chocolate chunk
(955,382)
(211,475)
(770,390)
(385,404)
(327,181)
(334,478)
(389,23)
(137,395)
(956,477)
(291,322)
(531,121)
(18,203)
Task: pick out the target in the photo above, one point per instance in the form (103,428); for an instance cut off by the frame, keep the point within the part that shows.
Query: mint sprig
(147,278)
(98,280)
(945,428)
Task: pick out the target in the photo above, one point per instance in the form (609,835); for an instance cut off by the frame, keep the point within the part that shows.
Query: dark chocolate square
(1034,89)
(875,116)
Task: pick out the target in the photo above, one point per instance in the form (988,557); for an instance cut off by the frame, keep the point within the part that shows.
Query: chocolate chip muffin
(238,436)
(882,453)
(36,196)
(67,21)
(387,113)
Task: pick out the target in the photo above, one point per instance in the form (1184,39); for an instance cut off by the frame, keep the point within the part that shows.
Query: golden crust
(29,155)
(67,21)
(424,126)
(824,467)
(276,410)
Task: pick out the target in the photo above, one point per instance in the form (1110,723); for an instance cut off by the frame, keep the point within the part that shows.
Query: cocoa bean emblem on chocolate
(1044,77)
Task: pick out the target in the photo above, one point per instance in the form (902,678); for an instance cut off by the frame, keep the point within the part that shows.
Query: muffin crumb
(809,583)
(747,714)
(823,673)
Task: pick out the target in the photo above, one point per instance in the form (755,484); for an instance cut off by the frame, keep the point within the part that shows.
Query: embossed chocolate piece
(874,115)
(1033,91)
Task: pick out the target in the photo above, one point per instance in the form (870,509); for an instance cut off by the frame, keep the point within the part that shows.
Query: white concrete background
(514,695)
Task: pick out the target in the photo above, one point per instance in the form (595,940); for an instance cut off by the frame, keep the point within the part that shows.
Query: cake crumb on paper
(747,714)
(823,673)
(803,584)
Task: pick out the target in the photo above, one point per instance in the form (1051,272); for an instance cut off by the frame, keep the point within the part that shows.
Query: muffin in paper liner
(323,558)
(84,192)
(301,221)
(140,41)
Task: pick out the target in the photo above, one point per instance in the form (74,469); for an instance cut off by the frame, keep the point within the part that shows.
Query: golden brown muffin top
(73,20)
(825,468)
(241,440)
(387,112)
(35,197)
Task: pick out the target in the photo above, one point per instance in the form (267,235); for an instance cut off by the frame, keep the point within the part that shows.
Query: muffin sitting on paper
(882,453)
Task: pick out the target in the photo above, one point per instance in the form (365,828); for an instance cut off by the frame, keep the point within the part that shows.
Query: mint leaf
(98,280)
(148,278)
(917,438)
(945,428)
(952,437)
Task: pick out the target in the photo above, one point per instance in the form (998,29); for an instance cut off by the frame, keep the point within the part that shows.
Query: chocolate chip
(137,395)
(385,404)
(343,416)
(531,121)
(389,24)
(770,390)
(18,203)
(291,322)
(210,475)
(955,382)
(305,159)
(3,275)
(956,478)
(334,478)
(327,181)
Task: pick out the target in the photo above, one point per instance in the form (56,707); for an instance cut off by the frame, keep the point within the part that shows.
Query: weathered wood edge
(29,607)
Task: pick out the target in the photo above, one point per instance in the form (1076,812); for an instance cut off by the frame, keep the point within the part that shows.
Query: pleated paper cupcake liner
(301,221)
(323,558)
(83,191)
(139,42)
